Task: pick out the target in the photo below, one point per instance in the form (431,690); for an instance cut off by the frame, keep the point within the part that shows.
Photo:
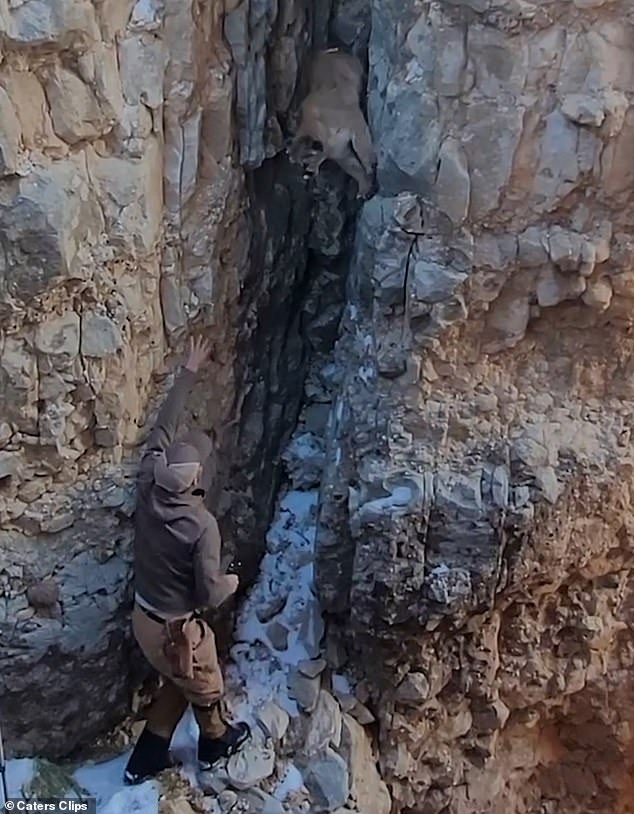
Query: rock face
(138,204)
(474,542)
(473,549)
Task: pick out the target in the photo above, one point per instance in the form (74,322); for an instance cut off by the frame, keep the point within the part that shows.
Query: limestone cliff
(140,200)
(475,540)
(474,545)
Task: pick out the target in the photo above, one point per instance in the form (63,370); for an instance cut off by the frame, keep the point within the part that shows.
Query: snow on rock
(19,774)
(282,595)
(141,799)
(252,764)
(304,458)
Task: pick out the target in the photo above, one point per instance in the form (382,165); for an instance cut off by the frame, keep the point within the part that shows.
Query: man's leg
(218,739)
(166,710)
(151,752)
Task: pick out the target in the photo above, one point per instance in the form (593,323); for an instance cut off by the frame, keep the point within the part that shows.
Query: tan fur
(331,115)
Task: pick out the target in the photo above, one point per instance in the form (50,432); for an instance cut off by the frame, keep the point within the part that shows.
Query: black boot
(211,750)
(149,757)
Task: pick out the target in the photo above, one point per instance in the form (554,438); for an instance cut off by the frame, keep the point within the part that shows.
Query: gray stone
(9,463)
(5,433)
(61,23)
(558,171)
(100,336)
(311,668)
(583,109)
(564,248)
(304,460)
(548,483)
(270,608)
(347,701)
(304,690)
(277,634)
(531,251)
(142,60)
(451,63)
(274,720)
(130,191)
(361,713)
(252,764)
(324,726)
(553,287)
(367,789)
(312,628)
(490,140)
(227,799)
(327,779)
(432,282)
(59,335)
(99,68)
(598,294)
(75,110)
(257,801)
(9,135)
(49,216)
(147,15)
(413,690)
(58,522)
(453,185)
(411,128)
(507,320)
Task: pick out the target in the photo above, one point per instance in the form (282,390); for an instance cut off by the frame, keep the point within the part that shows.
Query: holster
(179,647)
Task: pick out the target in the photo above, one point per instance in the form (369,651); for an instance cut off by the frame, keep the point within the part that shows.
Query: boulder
(49,216)
(324,727)
(367,789)
(252,764)
(327,779)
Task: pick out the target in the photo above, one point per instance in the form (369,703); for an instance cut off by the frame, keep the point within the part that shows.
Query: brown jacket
(177,542)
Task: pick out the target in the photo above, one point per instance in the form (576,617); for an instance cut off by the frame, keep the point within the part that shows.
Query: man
(177,571)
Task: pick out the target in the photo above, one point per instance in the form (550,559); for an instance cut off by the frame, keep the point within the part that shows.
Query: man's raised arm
(169,415)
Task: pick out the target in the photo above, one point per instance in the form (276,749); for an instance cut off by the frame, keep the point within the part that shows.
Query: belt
(159,619)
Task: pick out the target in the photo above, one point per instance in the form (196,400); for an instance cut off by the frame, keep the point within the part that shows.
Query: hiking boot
(149,757)
(211,750)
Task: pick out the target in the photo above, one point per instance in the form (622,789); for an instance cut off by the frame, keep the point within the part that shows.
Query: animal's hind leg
(362,144)
(351,165)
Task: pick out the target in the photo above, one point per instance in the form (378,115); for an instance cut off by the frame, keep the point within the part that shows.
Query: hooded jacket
(177,542)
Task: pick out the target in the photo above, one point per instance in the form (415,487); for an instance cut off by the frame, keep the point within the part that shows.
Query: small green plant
(51,780)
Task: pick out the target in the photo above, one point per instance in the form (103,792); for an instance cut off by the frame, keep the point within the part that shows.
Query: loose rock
(324,728)
(327,779)
(252,764)
(304,690)
(274,719)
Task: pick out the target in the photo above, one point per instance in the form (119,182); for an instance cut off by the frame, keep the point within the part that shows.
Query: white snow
(19,772)
(257,672)
(260,672)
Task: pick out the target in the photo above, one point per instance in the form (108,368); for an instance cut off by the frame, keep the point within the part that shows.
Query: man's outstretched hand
(199,353)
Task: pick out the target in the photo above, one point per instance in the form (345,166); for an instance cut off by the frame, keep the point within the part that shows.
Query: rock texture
(473,546)
(140,201)
(474,542)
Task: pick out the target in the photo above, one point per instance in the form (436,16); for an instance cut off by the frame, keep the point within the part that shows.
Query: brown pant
(204,691)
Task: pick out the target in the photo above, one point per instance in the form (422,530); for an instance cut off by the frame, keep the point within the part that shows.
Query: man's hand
(234,582)
(199,352)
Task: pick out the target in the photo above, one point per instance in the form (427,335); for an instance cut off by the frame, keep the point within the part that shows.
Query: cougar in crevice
(332,125)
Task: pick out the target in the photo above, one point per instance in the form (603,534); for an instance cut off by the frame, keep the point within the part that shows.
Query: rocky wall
(140,201)
(474,544)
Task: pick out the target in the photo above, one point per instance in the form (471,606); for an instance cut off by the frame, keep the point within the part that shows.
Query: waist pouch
(179,646)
